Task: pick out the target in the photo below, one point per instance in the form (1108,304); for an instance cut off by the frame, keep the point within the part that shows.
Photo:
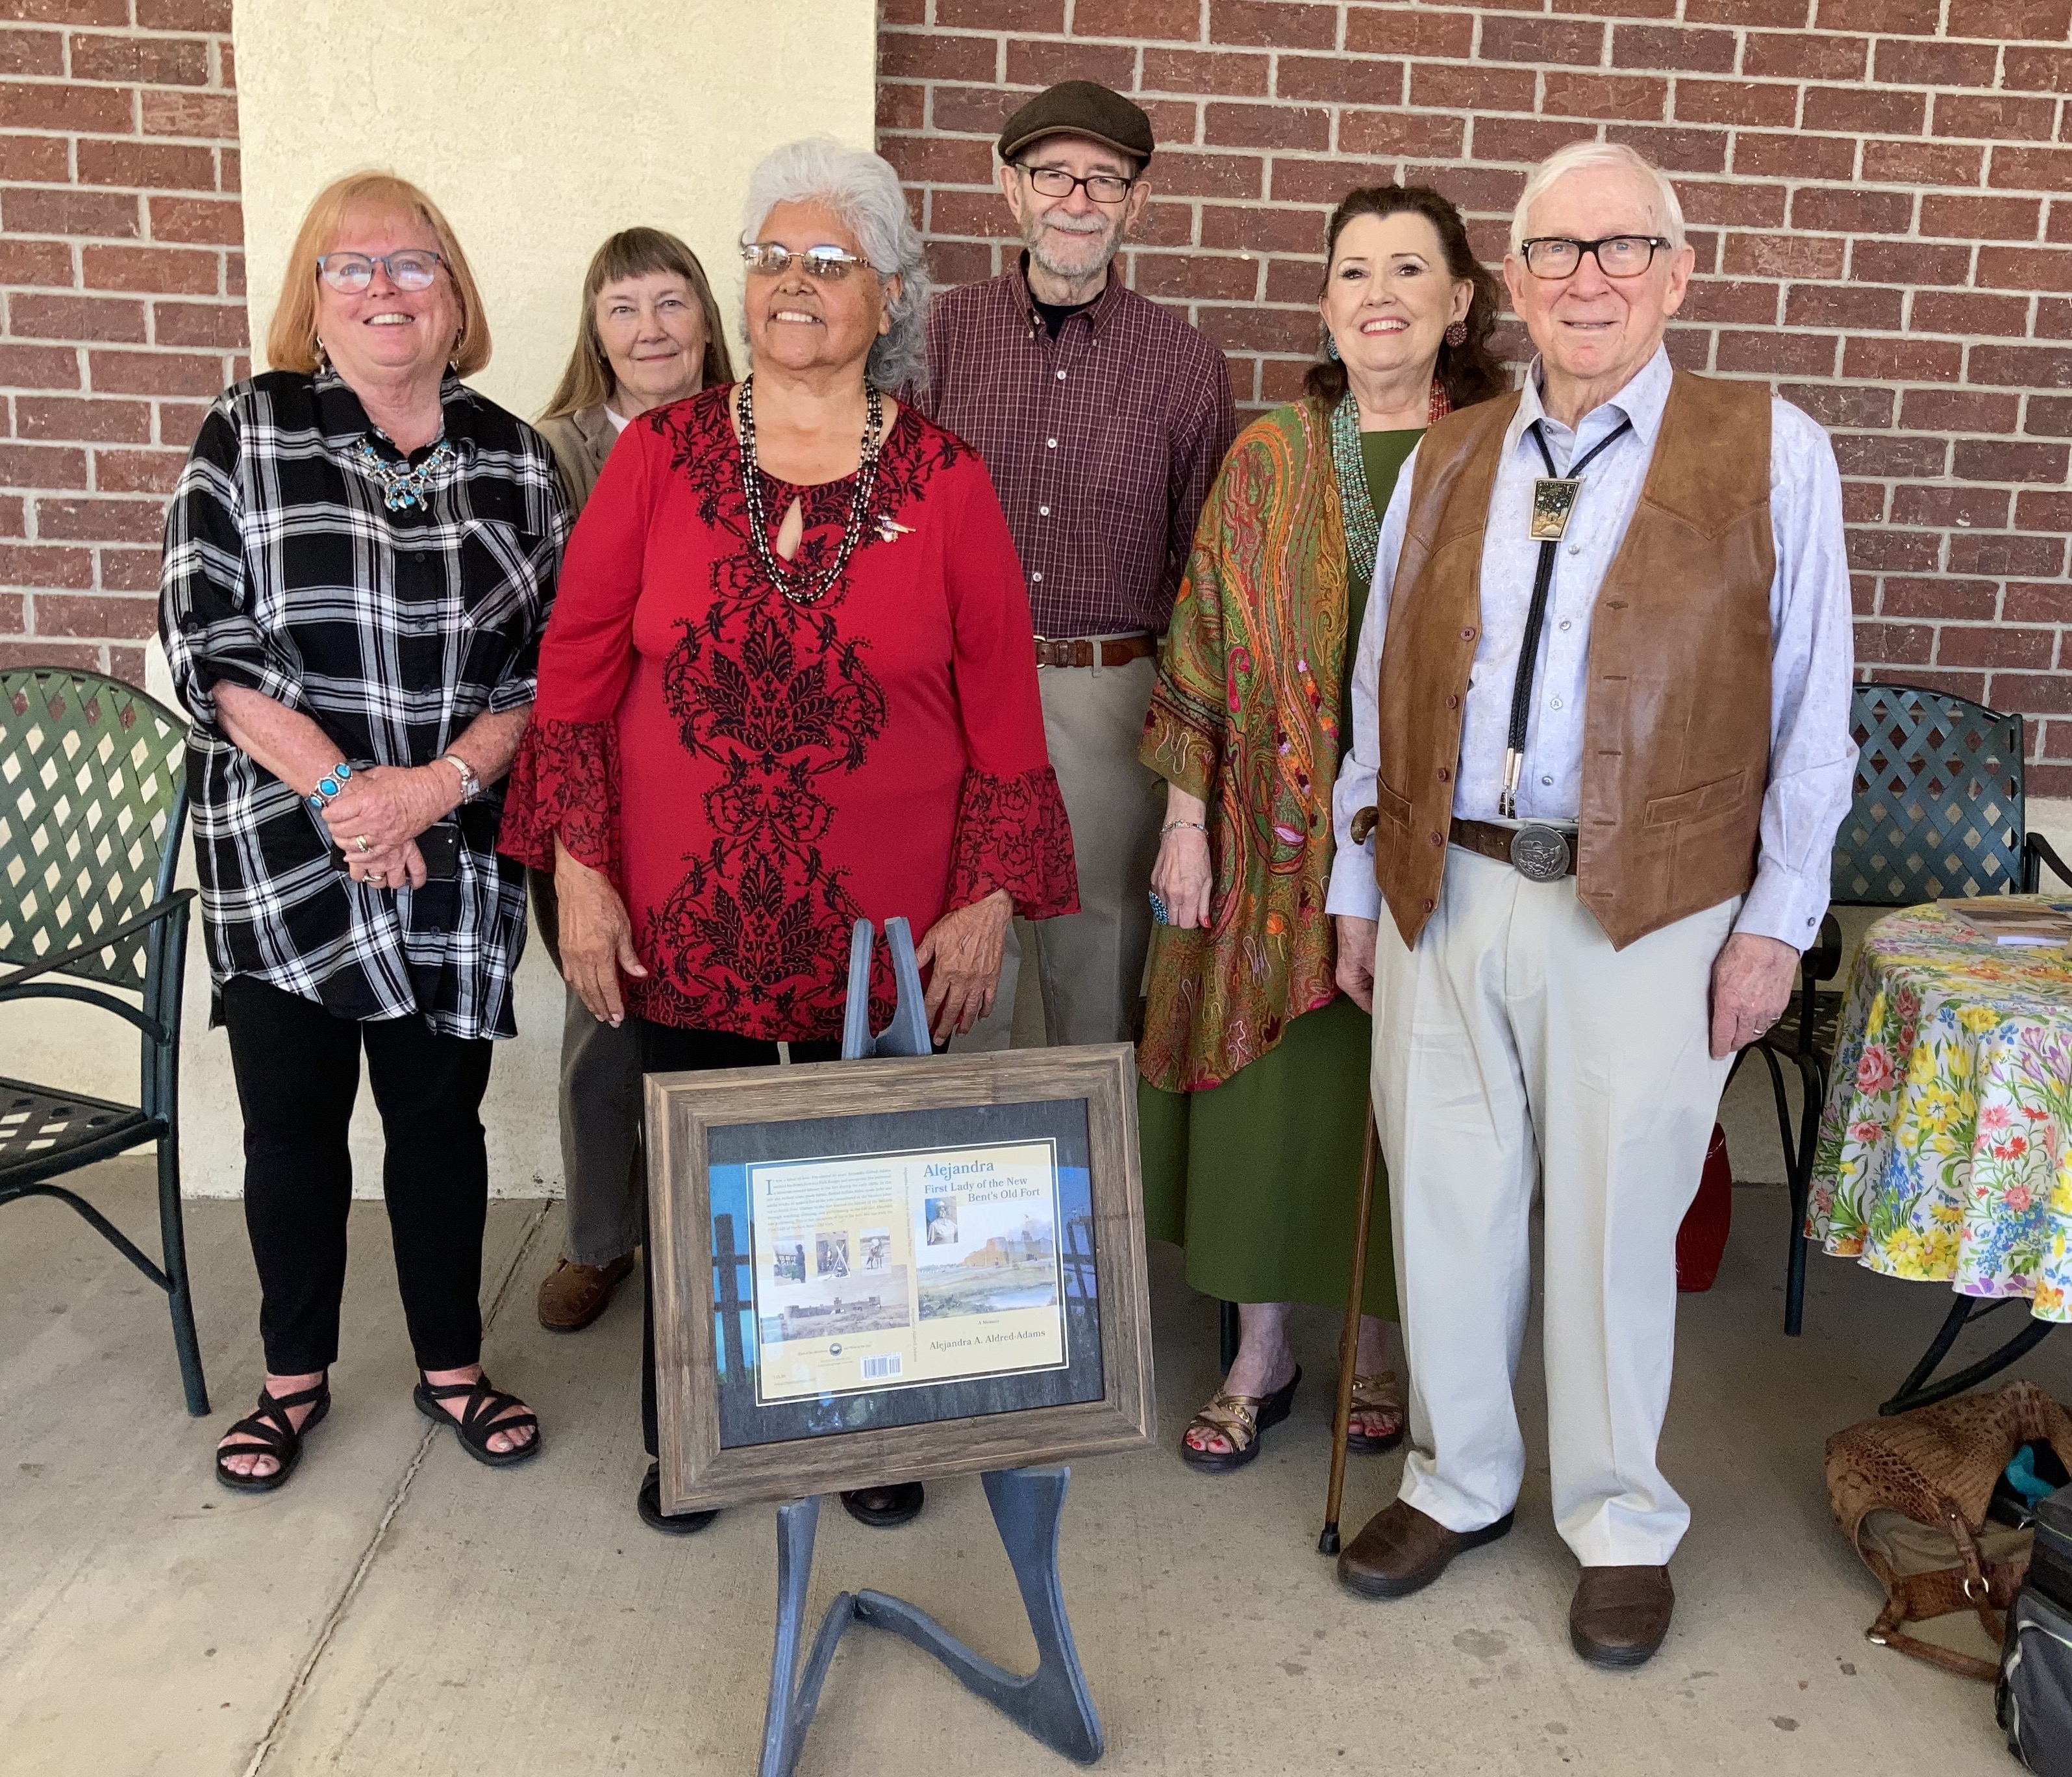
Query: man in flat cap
(1103,418)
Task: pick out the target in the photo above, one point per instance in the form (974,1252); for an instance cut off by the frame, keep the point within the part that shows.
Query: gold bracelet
(1171,826)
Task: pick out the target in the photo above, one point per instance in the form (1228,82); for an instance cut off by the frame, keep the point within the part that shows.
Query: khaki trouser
(1090,962)
(1515,1042)
(602,1108)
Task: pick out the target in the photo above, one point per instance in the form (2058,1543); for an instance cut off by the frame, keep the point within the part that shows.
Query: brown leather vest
(1676,725)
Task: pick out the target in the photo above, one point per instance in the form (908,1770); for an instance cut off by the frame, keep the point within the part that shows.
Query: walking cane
(1349,1340)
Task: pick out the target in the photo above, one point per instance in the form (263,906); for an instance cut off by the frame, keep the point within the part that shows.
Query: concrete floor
(400,1610)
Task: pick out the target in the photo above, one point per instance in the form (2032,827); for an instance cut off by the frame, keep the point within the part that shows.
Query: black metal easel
(1053,1703)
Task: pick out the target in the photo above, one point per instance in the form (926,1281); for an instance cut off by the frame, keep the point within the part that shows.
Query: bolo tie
(1553,504)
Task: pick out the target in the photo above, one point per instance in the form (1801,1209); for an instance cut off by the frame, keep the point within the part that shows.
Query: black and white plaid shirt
(284,571)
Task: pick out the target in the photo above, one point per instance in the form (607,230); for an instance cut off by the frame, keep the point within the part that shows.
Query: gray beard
(1054,268)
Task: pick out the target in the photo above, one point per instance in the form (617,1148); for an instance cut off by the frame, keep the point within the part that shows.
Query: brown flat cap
(1080,107)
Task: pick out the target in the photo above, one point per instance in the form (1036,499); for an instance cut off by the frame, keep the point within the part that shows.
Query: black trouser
(664,1049)
(298,1069)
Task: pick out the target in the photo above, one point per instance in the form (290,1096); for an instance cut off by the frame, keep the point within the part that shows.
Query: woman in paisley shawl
(1253,1102)
(789,682)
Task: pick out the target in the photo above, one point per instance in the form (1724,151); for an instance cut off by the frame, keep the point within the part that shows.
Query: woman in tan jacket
(649,334)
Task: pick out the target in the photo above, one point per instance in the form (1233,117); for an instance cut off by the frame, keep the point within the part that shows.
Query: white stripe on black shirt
(285,572)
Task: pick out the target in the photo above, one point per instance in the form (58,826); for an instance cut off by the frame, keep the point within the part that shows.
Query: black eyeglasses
(1617,255)
(1055,182)
(823,264)
(413,269)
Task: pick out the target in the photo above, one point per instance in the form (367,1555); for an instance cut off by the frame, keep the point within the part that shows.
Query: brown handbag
(1910,1494)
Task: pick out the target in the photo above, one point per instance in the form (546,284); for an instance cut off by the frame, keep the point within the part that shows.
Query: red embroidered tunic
(755,775)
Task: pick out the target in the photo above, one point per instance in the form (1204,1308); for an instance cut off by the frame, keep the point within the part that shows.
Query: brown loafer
(1620,1614)
(1402,1551)
(572,1296)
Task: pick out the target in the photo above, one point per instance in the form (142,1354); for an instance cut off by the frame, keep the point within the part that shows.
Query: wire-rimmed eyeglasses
(823,264)
(1617,255)
(1055,182)
(412,269)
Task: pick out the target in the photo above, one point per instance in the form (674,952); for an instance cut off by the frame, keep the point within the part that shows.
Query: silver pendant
(1553,500)
(1539,854)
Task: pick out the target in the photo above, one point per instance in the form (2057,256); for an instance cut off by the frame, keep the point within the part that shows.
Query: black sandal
(479,1422)
(270,1432)
(648,1504)
(886,1507)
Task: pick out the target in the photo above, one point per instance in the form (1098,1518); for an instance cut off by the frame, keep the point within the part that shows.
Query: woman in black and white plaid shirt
(359,559)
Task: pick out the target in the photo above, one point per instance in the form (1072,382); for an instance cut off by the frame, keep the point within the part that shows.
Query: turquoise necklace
(402,485)
(1362,522)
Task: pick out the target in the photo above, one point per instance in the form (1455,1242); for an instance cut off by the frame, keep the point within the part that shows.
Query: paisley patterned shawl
(1245,715)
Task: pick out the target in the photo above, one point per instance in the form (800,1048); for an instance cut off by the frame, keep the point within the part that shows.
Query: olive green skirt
(1259,1178)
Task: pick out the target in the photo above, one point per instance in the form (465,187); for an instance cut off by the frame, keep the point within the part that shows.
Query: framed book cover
(868,1272)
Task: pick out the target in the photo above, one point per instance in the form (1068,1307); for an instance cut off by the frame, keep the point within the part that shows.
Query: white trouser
(1515,1040)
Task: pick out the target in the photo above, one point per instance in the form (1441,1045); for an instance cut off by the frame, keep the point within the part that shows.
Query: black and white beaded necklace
(809,589)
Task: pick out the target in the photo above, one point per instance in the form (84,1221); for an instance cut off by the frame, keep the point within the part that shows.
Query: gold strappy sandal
(1379,1394)
(1241,1419)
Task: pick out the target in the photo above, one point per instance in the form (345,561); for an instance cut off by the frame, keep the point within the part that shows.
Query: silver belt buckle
(1539,854)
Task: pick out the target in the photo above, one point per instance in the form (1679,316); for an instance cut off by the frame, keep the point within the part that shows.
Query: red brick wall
(1882,202)
(1883,209)
(122,275)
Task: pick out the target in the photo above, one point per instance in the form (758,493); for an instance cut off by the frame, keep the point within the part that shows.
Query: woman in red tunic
(790,682)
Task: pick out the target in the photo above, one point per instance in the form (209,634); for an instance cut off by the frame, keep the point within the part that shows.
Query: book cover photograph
(893,1270)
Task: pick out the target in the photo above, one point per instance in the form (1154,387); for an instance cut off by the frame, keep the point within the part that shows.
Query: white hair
(1583,156)
(862,189)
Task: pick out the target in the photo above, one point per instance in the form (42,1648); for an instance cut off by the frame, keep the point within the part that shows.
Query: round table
(1945,1147)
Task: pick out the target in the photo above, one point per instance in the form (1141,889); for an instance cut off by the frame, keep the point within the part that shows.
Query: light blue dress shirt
(1812,760)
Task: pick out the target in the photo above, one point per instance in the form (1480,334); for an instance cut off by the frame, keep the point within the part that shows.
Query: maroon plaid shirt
(1101,443)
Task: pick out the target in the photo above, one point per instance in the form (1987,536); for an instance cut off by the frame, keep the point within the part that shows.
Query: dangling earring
(1456,334)
(324,352)
(460,340)
(1331,346)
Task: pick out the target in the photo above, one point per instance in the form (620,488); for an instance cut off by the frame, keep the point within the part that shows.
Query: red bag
(1703,1238)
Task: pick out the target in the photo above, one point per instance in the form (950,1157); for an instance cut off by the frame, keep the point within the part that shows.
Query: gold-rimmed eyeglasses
(823,264)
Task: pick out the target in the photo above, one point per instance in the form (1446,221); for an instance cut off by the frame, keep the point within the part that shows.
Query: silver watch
(471,785)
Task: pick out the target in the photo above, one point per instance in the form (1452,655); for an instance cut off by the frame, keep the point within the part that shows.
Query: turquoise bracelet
(328,787)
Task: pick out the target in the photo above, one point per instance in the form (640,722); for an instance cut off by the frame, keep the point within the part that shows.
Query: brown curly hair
(1469,372)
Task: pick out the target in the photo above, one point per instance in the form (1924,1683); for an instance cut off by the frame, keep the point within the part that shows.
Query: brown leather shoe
(1620,1614)
(572,1296)
(1402,1551)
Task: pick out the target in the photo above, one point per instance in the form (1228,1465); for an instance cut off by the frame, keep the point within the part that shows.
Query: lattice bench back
(92,792)
(1938,807)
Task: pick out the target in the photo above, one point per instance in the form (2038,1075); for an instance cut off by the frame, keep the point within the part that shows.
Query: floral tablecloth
(1945,1149)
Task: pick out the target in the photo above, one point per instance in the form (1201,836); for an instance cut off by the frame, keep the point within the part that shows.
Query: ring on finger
(364,844)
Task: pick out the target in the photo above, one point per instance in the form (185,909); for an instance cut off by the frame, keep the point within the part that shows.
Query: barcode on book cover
(877,1369)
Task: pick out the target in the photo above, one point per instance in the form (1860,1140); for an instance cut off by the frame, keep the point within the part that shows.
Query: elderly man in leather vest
(1601,740)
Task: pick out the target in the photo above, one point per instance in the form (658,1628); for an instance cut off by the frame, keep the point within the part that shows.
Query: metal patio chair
(1937,813)
(92,797)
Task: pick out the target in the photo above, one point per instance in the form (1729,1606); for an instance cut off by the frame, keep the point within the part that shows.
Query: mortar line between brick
(270,1742)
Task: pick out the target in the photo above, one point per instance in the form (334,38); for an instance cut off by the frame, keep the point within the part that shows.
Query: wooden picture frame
(727,1133)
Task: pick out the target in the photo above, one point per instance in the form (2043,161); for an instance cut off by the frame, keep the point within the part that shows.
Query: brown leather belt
(1081,650)
(1544,854)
